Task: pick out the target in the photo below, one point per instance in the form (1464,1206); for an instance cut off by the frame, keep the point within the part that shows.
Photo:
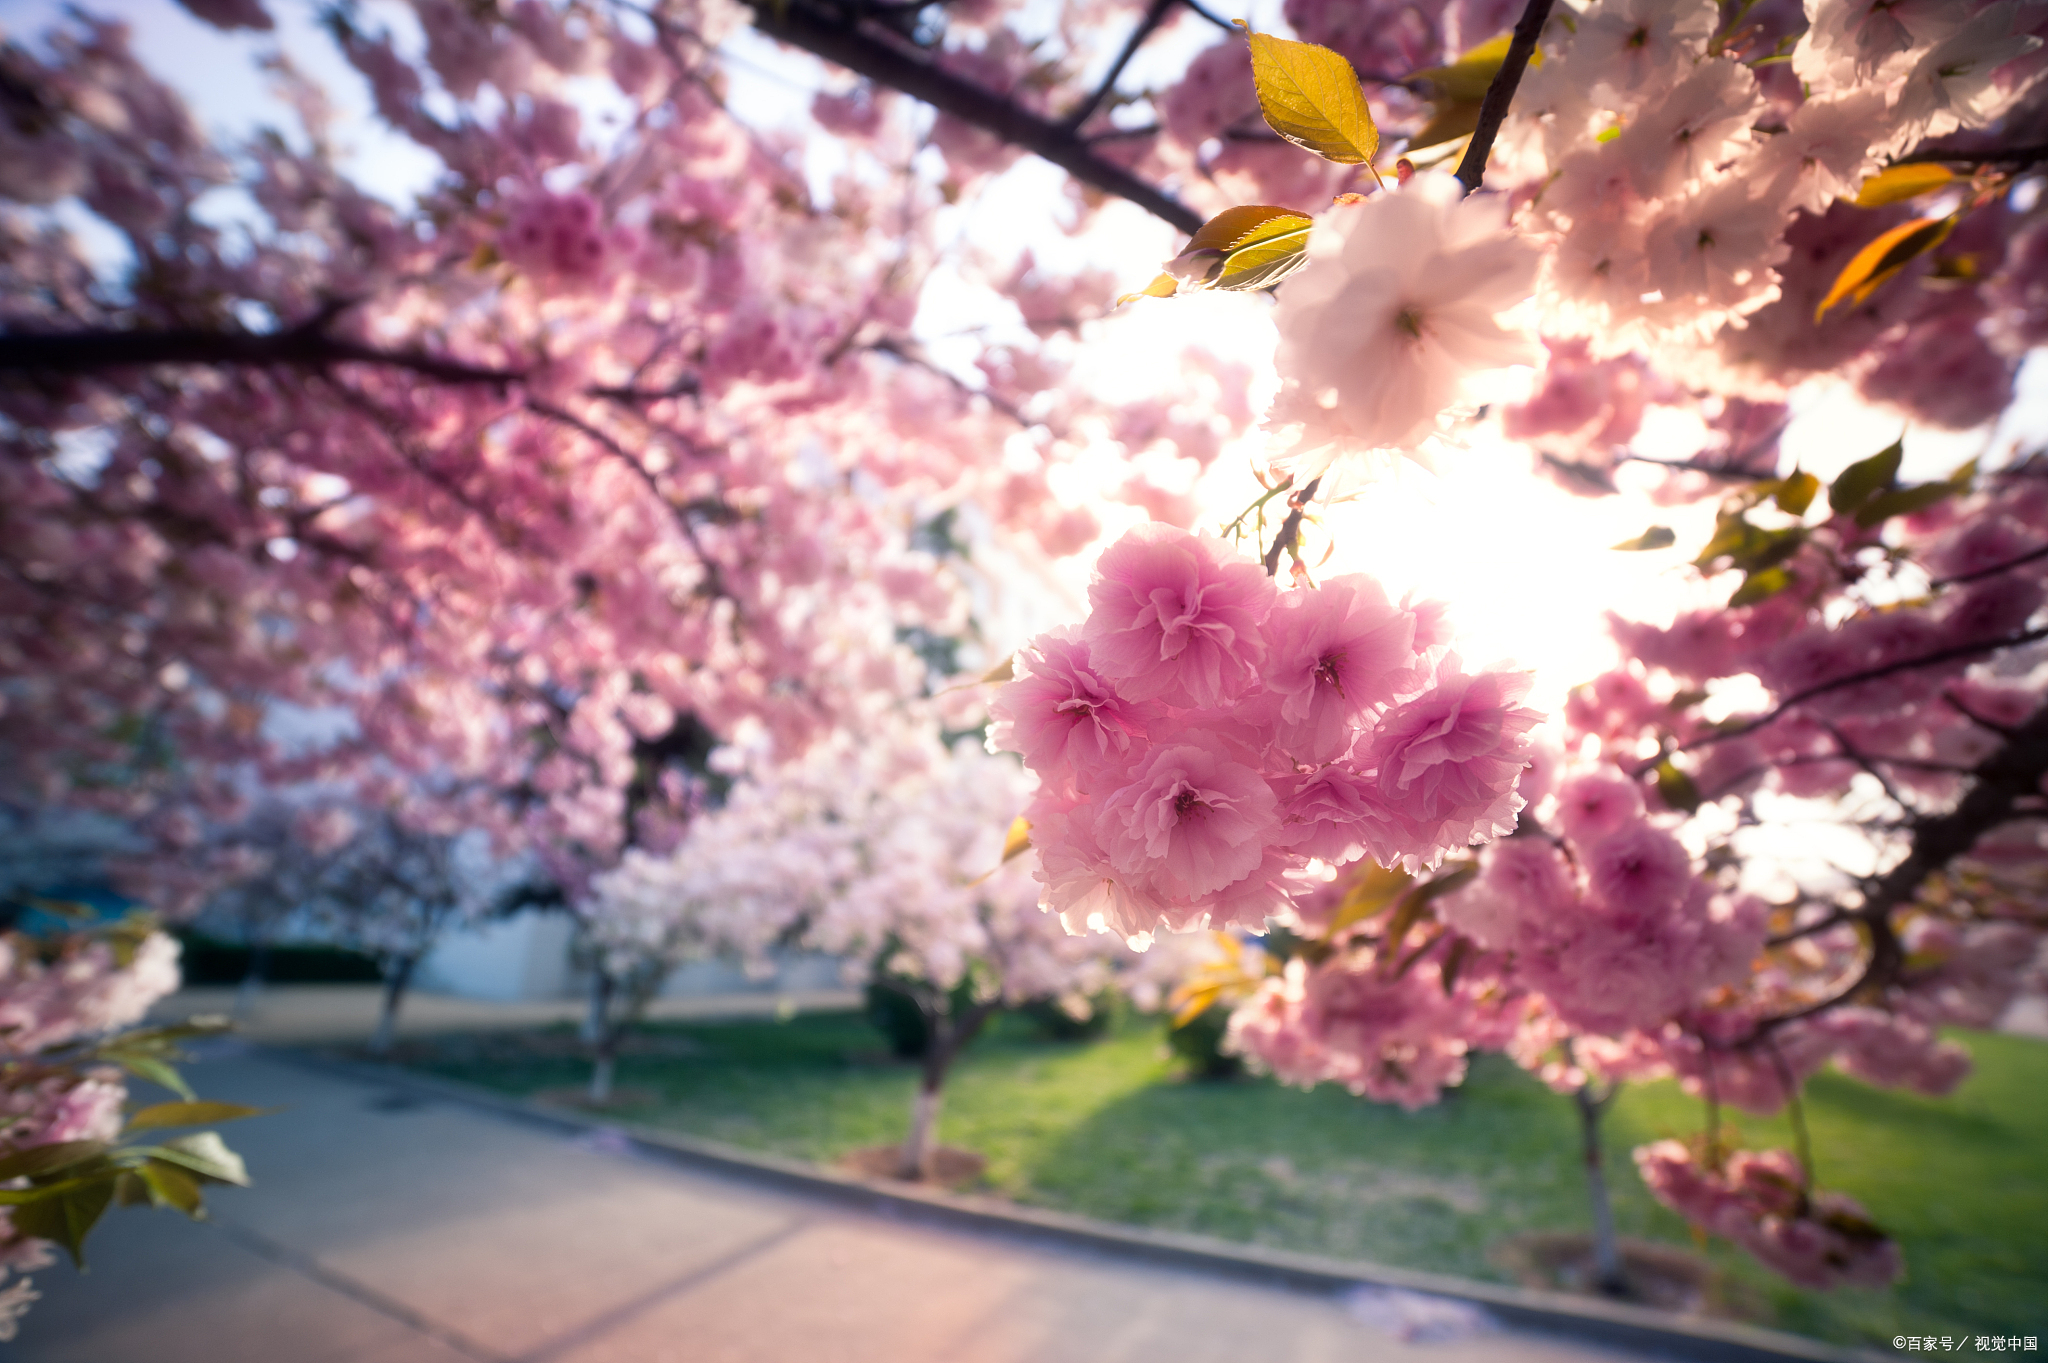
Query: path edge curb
(1691,1338)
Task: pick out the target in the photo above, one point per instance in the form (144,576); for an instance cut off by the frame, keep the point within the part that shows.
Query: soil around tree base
(1661,1276)
(952,1167)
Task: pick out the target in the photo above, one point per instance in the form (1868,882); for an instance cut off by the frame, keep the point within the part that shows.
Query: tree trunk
(923,1141)
(253,978)
(395,981)
(1607,1272)
(604,1036)
(948,1037)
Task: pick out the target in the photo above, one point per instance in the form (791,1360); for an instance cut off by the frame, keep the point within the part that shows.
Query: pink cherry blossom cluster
(1391,1035)
(50,997)
(1609,922)
(1761,1201)
(1202,736)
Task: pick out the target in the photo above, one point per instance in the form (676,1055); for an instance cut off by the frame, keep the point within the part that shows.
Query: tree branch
(304,347)
(1154,17)
(1290,529)
(2003,779)
(1942,655)
(1493,111)
(817,29)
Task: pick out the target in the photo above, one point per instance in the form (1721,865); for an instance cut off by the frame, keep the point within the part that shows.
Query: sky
(1525,566)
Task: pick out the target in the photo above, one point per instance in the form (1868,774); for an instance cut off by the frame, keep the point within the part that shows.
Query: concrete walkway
(388,1229)
(318,1014)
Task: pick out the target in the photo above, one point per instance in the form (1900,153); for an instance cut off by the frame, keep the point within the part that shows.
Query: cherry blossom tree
(891,852)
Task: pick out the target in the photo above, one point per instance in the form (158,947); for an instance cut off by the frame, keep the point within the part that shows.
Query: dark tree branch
(1939,656)
(1154,17)
(1493,111)
(1994,570)
(304,347)
(2011,774)
(819,30)
(1290,529)
(1120,134)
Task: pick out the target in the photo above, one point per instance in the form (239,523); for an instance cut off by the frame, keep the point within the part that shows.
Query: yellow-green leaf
(37,1160)
(67,1216)
(1883,258)
(1190,1003)
(1656,537)
(1018,840)
(1371,891)
(1447,123)
(1165,286)
(1902,501)
(1895,184)
(191,1114)
(1761,585)
(1242,225)
(1676,788)
(170,1186)
(1267,260)
(1311,96)
(203,1153)
(1865,479)
(1466,79)
(1795,493)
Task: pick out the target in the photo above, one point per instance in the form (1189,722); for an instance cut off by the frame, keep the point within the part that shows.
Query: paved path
(385,1229)
(306,1014)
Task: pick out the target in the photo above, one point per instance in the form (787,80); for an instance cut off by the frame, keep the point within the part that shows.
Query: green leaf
(191,1114)
(1454,961)
(1896,184)
(1676,788)
(1885,257)
(67,1216)
(38,1160)
(1865,478)
(1795,493)
(170,1186)
(1656,537)
(1468,78)
(205,1154)
(1902,501)
(1311,96)
(1749,547)
(1760,586)
(149,1067)
(131,1191)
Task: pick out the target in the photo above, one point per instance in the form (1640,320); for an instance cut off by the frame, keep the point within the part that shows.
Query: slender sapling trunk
(395,981)
(604,1036)
(948,1036)
(1608,1277)
(253,978)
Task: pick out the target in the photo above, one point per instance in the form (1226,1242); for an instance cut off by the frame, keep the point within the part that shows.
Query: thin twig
(1993,570)
(1154,17)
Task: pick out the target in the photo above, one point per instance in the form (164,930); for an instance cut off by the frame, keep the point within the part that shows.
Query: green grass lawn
(1111,1130)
